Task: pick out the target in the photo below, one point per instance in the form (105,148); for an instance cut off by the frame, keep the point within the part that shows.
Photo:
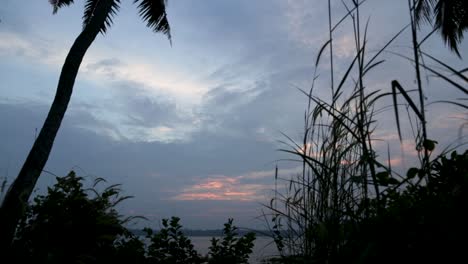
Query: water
(263,247)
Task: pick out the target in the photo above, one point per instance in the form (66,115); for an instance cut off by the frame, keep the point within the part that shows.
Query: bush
(74,225)
(231,250)
(425,222)
(68,225)
(170,245)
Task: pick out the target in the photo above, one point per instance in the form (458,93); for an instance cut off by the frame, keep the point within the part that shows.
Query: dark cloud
(260,59)
(143,109)
(133,100)
(153,172)
(272,104)
(106,67)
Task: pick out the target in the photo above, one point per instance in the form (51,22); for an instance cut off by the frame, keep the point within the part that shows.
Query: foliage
(347,205)
(71,224)
(340,169)
(422,222)
(170,245)
(68,225)
(97,18)
(151,12)
(232,249)
(449,17)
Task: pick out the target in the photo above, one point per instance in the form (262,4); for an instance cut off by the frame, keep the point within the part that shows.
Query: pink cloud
(231,188)
(408,147)
(396,162)
(222,188)
(199,196)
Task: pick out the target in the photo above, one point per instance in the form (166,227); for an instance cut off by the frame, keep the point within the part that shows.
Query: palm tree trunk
(16,199)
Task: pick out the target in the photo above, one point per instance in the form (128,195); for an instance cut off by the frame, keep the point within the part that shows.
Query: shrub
(422,222)
(231,249)
(170,245)
(67,225)
(74,225)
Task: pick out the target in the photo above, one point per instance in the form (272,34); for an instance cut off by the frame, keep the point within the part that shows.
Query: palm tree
(450,18)
(98,15)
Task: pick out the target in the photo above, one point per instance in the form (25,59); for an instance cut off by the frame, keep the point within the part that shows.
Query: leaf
(345,76)
(320,52)
(383,178)
(368,68)
(90,9)
(396,85)
(349,13)
(56,4)
(368,64)
(429,144)
(451,102)
(356,179)
(412,173)
(154,13)
(456,85)
(393,181)
(395,107)
(383,175)
(451,69)
(423,11)
(451,22)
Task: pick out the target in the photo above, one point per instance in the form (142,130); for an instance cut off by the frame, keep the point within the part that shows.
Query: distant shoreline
(208,232)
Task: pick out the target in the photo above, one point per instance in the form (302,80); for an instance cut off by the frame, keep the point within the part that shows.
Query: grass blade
(321,51)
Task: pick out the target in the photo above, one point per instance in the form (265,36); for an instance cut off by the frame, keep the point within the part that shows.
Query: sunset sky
(193,129)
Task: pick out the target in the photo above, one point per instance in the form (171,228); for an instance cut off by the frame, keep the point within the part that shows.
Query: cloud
(269,105)
(345,46)
(173,162)
(152,78)
(299,16)
(153,172)
(98,67)
(222,188)
(147,102)
(39,50)
(251,186)
(396,162)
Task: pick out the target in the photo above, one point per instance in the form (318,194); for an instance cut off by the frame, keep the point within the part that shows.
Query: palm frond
(424,10)
(89,11)
(451,20)
(154,13)
(56,4)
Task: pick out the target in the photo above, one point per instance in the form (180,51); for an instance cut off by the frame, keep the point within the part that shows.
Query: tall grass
(342,178)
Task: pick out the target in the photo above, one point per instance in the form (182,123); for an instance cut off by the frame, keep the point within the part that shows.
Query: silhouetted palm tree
(97,18)
(450,18)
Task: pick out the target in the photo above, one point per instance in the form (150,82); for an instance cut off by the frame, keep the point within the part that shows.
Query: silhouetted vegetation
(449,17)
(170,245)
(231,249)
(347,205)
(350,206)
(97,19)
(418,223)
(71,224)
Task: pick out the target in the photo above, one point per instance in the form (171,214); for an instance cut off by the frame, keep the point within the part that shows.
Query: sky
(193,129)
